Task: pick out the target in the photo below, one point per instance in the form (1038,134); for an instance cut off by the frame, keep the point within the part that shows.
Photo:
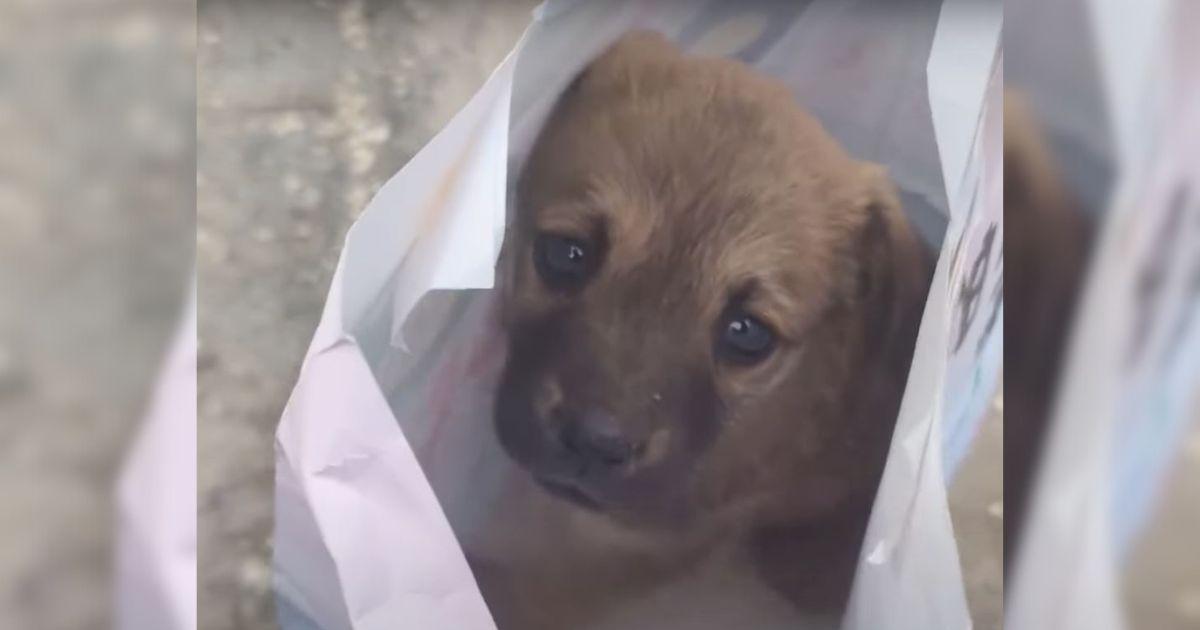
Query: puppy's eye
(743,339)
(562,261)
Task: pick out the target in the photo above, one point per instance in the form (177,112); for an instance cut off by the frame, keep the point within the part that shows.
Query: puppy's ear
(894,270)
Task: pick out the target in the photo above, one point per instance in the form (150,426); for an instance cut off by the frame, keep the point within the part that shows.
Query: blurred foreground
(96,227)
(1102,341)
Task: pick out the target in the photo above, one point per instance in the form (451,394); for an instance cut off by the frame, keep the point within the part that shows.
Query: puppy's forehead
(667,143)
(697,164)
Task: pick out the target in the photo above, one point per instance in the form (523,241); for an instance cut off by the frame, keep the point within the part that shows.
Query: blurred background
(97,215)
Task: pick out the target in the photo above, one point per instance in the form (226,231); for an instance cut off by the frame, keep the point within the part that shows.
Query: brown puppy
(711,310)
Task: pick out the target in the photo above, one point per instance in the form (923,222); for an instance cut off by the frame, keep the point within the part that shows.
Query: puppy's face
(686,293)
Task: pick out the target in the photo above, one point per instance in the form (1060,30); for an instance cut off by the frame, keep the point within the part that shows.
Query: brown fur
(703,183)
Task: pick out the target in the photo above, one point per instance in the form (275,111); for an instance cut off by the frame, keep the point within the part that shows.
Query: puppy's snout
(598,440)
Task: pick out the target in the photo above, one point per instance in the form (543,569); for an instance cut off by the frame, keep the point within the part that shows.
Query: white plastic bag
(386,462)
(1131,376)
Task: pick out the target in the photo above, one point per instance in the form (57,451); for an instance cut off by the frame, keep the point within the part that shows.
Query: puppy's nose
(597,438)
